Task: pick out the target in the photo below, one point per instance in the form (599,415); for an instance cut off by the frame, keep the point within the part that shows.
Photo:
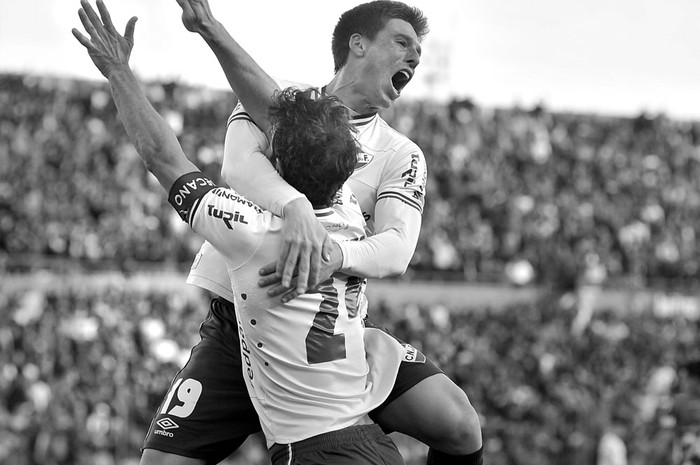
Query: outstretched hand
(107,48)
(305,252)
(270,279)
(196,15)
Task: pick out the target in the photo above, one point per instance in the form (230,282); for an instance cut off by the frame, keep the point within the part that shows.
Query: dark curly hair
(370,18)
(314,143)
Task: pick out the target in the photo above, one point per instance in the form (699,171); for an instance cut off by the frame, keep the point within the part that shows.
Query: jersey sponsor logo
(230,195)
(195,262)
(226,217)
(412,355)
(411,178)
(332,227)
(245,352)
(167,423)
(411,174)
(363,159)
(338,198)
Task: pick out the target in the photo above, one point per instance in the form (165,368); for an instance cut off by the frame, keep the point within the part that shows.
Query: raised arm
(304,241)
(303,237)
(251,84)
(153,138)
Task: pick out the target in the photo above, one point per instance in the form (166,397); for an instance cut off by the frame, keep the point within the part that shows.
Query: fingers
(87,24)
(327,248)
(304,268)
(269,280)
(92,17)
(277,290)
(106,18)
(129,30)
(82,39)
(288,264)
(268,269)
(186,7)
(291,295)
(314,268)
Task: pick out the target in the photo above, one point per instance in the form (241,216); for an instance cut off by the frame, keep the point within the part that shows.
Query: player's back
(304,361)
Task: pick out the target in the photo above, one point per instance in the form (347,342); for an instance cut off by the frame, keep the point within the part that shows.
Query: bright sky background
(609,56)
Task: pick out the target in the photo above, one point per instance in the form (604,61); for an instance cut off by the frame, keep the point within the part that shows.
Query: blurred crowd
(524,195)
(84,366)
(557,198)
(521,196)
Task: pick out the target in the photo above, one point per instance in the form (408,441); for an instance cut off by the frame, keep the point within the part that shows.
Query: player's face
(391,60)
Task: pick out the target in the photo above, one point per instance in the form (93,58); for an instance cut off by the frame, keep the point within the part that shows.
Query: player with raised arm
(376,49)
(305,365)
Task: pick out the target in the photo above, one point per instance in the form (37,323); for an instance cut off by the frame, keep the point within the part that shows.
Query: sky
(617,57)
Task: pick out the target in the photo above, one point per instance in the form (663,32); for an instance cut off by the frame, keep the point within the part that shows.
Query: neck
(346,87)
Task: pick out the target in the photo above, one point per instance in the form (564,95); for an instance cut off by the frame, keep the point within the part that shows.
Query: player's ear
(357,44)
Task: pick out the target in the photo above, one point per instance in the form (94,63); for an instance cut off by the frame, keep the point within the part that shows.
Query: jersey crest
(363,159)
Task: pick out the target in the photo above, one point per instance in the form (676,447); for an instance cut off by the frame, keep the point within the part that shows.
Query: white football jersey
(389,166)
(304,362)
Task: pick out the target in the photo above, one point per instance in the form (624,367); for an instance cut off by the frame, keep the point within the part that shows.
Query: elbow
(398,268)
(231,176)
(393,268)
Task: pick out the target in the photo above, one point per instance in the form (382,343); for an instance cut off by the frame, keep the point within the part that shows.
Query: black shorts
(207,414)
(356,445)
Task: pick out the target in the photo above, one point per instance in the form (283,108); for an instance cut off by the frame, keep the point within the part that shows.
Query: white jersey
(389,166)
(304,362)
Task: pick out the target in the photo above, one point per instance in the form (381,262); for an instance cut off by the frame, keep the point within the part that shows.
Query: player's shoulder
(239,112)
(285,83)
(397,139)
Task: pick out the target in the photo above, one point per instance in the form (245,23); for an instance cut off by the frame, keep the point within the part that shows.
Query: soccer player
(376,48)
(305,365)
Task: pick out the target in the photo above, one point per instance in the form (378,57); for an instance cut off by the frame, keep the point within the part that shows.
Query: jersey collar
(321,212)
(361,120)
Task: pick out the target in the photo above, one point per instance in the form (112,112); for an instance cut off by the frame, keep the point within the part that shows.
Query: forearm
(251,84)
(247,170)
(148,131)
(389,251)
(380,256)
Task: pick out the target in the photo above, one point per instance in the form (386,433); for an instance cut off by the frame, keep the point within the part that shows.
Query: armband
(187,191)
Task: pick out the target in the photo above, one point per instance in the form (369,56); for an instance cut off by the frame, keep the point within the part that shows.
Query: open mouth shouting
(400,79)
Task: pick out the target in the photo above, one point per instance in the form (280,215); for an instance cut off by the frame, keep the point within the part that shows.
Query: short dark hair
(314,142)
(370,18)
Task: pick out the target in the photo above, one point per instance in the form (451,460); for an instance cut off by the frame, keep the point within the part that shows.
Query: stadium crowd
(531,195)
(526,196)
(84,366)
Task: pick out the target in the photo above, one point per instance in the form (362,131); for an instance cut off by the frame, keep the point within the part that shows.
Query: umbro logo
(167,423)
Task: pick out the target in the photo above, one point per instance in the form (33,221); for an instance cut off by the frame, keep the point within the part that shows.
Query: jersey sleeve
(246,167)
(405,177)
(230,222)
(186,194)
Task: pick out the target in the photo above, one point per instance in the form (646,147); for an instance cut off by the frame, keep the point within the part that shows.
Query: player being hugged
(304,362)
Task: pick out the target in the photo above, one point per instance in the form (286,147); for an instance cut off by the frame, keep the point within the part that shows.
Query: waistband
(284,453)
